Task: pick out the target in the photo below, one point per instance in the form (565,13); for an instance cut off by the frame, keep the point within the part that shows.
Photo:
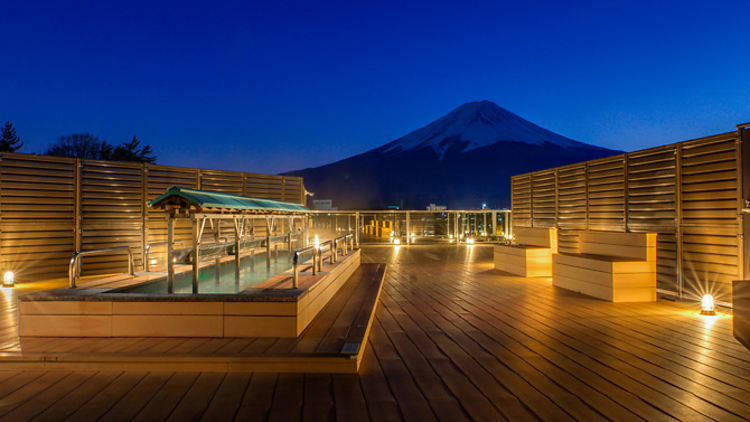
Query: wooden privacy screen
(689,193)
(52,207)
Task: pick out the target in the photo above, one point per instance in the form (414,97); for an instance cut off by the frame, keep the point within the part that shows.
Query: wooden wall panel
(52,207)
(571,206)
(521,200)
(37,214)
(689,193)
(543,198)
(606,194)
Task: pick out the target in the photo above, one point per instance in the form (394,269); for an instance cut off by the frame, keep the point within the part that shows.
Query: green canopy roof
(223,201)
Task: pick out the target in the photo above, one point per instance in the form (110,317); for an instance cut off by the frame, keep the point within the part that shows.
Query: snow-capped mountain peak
(476,125)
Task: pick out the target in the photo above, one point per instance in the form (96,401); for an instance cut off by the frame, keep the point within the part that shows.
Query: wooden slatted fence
(51,207)
(689,193)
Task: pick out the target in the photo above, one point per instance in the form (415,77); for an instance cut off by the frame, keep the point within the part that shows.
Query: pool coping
(89,311)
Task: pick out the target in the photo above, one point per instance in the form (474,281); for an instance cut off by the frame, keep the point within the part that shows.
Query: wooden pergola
(202,206)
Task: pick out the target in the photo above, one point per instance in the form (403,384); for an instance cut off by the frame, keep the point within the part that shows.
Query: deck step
(334,342)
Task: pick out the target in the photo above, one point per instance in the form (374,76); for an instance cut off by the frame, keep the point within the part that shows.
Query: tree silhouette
(9,141)
(88,146)
(81,145)
(128,151)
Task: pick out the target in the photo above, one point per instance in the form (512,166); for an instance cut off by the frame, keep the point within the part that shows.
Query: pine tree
(129,151)
(9,141)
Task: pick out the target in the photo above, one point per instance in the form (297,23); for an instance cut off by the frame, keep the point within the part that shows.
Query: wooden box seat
(617,267)
(531,256)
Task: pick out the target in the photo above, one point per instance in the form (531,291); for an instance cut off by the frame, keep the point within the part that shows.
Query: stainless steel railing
(347,239)
(317,255)
(74,270)
(295,263)
(148,248)
(329,244)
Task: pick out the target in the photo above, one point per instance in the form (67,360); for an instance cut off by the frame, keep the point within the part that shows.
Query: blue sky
(267,86)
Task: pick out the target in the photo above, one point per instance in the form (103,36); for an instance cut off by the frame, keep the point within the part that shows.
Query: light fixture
(707,305)
(9,279)
(470,241)
(450,236)
(412,235)
(396,241)
(317,242)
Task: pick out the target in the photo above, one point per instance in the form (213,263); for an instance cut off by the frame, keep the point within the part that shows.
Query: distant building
(433,207)
(323,205)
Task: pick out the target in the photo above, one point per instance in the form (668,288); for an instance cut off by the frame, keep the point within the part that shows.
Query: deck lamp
(9,279)
(707,305)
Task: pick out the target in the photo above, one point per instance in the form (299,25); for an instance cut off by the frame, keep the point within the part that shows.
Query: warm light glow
(470,241)
(412,235)
(317,242)
(9,279)
(707,305)
(450,236)
(396,241)
(153,262)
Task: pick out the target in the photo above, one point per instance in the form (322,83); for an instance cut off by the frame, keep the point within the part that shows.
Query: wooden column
(170,254)
(196,253)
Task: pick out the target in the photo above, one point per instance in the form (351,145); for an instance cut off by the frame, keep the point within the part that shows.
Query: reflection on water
(251,273)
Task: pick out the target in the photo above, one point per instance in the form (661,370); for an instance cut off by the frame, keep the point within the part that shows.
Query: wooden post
(269,229)
(144,213)
(744,179)
(586,192)
(170,254)
(626,193)
(408,228)
(196,253)
(678,220)
(79,215)
(236,254)
(356,224)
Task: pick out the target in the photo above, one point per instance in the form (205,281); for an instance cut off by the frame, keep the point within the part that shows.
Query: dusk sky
(270,86)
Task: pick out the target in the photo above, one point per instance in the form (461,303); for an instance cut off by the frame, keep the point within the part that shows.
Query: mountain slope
(462,160)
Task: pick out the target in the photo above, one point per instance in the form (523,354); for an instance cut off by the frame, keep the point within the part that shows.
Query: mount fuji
(462,160)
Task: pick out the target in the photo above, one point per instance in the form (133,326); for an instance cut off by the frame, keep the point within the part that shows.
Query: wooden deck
(333,343)
(453,340)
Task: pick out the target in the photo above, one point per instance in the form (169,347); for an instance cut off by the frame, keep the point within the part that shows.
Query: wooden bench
(618,267)
(531,256)
(741,311)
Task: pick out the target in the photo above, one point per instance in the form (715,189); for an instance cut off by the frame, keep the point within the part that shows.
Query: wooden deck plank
(77,397)
(228,398)
(166,399)
(98,405)
(32,408)
(196,400)
(453,340)
(138,396)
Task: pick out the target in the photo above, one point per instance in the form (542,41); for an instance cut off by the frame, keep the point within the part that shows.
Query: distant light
(317,242)
(450,236)
(396,241)
(707,305)
(153,262)
(412,235)
(470,241)
(9,279)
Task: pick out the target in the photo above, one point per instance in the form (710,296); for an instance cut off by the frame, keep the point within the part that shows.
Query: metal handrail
(74,270)
(148,248)
(295,263)
(346,238)
(328,243)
